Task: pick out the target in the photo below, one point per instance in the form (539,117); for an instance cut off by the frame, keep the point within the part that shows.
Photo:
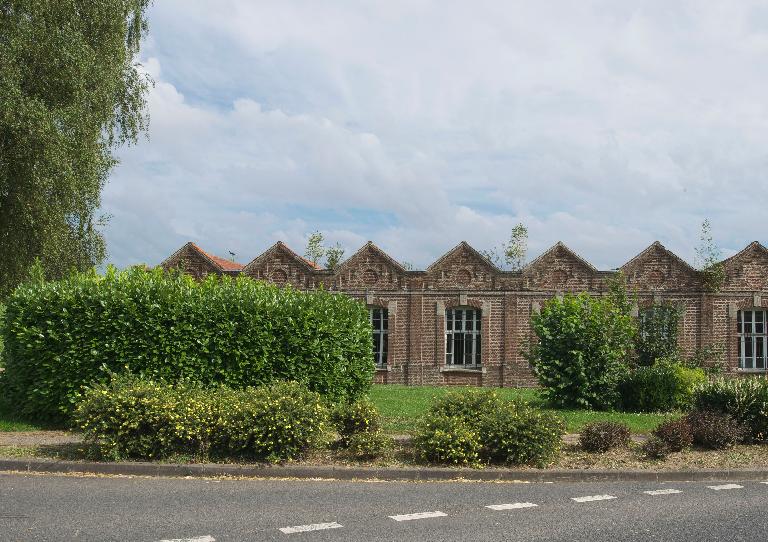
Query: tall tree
(71,92)
(708,259)
(314,249)
(333,256)
(516,250)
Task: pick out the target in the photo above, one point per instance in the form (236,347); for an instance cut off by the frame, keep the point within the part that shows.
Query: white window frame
(752,331)
(474,336)
(382,333)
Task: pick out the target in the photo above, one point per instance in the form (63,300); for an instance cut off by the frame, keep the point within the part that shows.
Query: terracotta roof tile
(226,265)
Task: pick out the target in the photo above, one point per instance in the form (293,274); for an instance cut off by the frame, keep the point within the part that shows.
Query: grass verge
(402,406)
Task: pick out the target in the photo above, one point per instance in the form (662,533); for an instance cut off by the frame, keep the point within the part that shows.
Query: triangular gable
(279,250)
(191,251)
(657,267)
(558,251)
(747,269)
(366,254)
(464,253)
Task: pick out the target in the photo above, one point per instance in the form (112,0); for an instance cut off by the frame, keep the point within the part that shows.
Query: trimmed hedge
(662,387)
(465,427)
(62,335)
(135,418)
(745,399)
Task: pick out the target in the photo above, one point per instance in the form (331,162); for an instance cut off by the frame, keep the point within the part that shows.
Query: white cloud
(418,124)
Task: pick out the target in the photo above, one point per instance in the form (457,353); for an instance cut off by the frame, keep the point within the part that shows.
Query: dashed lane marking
(662,492)
(418,515)
(591,498)
(511,506)
(311,527)
(206,538)
(726,486)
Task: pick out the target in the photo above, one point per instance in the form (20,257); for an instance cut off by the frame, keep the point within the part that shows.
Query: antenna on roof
(232,254)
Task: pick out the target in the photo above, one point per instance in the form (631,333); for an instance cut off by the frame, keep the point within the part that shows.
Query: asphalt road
(58,508)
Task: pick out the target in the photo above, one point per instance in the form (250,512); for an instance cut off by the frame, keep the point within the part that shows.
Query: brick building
(464,321)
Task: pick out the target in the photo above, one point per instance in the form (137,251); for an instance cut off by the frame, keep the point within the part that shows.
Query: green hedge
(745,399)
(660,388)
(62,335)
(130,417)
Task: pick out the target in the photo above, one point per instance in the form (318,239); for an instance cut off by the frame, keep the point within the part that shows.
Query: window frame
(752,340)
(471,337)
(380,350)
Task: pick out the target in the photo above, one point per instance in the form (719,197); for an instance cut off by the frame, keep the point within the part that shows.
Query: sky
(418,124)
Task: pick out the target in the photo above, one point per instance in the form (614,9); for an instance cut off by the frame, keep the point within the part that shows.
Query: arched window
(380,325)
(751,328)
(463,337)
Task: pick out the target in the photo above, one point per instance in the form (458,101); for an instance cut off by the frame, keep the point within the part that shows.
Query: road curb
(374,473)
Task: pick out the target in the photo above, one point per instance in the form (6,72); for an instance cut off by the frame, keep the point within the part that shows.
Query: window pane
(376,348)
(458,349)
(384,349)
(449,320)
(477,349)
(740,356)
(457,321)
(385,319)
(376,319)
(739,326)
(759,353)
(748,353)
(478,320)
(469,326)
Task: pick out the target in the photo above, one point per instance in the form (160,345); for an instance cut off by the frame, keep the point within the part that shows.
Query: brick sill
(383,369)
(478,370)
(755,371)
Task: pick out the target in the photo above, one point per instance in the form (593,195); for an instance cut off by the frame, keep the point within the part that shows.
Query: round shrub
(130,417)
(662,387)
(369,445)
(448,440)
(715,430)
(520,435)
(603,436)
(676,434)
(655,448)
(746,399)
(351,419)
(60,336)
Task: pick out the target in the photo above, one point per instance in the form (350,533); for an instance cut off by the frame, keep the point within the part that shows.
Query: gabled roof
(462,246)
(754,245)
(221,263)
(554,248)
(282,247)
(370,246)
(658,246)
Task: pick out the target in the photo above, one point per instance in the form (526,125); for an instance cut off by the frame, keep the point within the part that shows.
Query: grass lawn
(401,406)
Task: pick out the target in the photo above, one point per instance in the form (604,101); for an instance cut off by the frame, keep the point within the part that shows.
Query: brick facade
(417,301)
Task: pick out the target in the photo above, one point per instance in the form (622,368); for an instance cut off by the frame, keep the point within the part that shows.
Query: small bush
(603,436)
(655,448)
(130,417)
(369,445)
(448,440)
(715,430)
(676,434)
(520,435)
(746,399)
(662,387)
(352,419)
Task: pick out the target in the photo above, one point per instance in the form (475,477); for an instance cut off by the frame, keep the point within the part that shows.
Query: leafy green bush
(715,430)
(746,399)
(657,333)
(517,434)
(131,417)
(655,448)
(603,436)
(355,418)
(665,386)
(448,440)
(506,431)
(676,434)
(62,335)
(368,445)
(584,343)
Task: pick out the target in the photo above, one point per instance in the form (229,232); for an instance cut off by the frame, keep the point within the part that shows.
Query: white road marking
(726,486)
(511,506)
(591,498)
(311,527)
(662,492)
(764,482)
(206,538)
(418,515)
